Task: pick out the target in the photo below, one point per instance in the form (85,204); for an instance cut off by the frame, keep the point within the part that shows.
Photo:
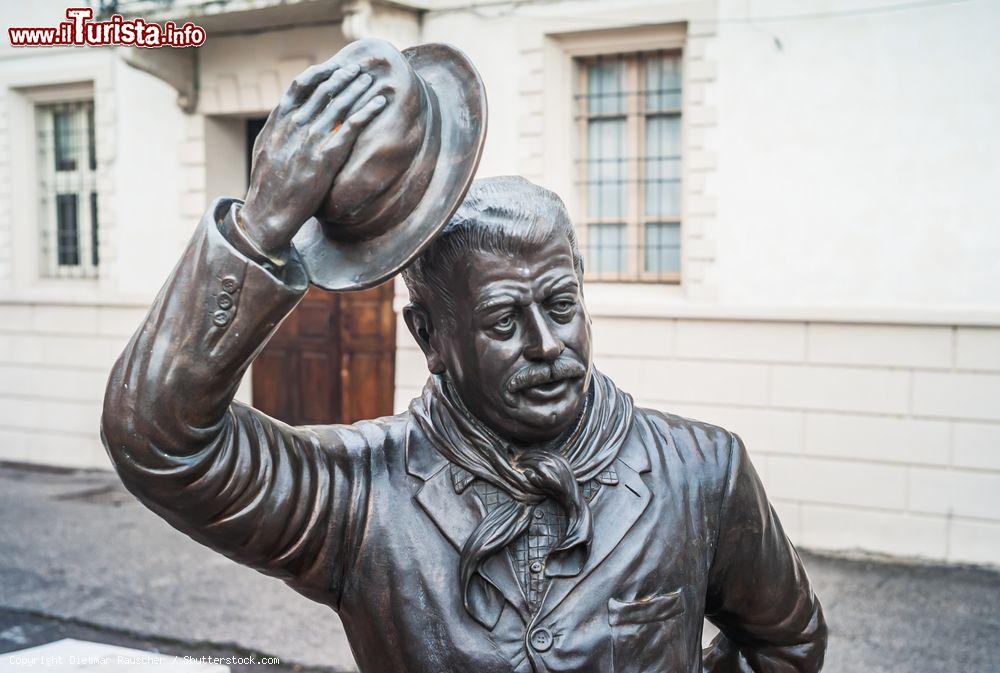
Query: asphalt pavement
(79,557)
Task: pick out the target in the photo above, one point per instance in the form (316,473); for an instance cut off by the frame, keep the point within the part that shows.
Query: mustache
(563,367)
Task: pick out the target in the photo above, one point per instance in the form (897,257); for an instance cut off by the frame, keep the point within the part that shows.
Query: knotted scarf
(528,476)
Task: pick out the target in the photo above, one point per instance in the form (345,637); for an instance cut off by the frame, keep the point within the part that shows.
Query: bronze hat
(409,169)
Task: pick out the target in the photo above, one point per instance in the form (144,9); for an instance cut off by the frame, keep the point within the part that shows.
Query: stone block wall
(54,364)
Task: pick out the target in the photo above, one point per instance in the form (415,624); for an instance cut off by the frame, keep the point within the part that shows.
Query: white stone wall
(54,364)
(858,162)
(59,337)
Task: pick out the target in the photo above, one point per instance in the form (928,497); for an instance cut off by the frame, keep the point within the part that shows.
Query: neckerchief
(528,476)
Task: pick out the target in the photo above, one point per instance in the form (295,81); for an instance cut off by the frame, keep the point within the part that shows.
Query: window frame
(80,182)
(27,281)
(635,218)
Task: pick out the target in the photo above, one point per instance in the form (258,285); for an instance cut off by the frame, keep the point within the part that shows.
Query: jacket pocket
(649,634)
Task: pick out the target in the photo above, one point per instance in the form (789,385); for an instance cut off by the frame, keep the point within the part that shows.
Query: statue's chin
(538,415)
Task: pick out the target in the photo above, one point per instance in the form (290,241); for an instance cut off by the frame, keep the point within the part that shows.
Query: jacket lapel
(456,515)
(615,511)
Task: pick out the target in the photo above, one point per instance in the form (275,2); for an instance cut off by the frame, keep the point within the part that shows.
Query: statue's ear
(418,321)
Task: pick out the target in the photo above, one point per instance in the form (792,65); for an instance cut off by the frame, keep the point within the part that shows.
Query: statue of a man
(522,515)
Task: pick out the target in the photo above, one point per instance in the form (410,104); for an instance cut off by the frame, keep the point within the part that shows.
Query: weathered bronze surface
(522,515)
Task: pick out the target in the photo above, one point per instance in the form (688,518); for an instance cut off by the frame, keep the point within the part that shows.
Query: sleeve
(758,592)
(263,493)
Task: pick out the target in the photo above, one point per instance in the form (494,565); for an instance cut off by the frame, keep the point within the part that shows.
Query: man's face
(519,351)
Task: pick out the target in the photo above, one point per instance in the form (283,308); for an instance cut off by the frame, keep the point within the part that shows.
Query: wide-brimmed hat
(409,169)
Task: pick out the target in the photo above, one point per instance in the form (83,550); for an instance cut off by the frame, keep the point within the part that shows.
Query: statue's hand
(304,144)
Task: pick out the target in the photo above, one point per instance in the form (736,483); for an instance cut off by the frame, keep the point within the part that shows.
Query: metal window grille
(67,174)
(628,112)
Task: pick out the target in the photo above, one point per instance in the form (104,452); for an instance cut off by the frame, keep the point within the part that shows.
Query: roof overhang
(179,67)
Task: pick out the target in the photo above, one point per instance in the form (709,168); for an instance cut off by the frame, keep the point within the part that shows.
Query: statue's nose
(542,343)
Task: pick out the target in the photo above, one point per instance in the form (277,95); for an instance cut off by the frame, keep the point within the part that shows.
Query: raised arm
(268,495)
(759,595)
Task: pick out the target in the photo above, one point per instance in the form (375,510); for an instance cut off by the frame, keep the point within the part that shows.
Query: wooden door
(333,359)
(367,353)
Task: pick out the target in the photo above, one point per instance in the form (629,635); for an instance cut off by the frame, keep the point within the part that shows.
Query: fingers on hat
(352,127)
(324,92)
(337,109)
(306,81)
(360,119)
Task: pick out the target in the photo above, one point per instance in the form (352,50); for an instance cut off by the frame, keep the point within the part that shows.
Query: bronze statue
(522,515)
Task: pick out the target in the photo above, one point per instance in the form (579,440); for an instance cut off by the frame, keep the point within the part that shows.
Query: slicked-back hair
(505,215)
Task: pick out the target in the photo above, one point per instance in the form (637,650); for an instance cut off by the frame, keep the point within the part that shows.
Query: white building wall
(59,338)
(55,364)
(858,162)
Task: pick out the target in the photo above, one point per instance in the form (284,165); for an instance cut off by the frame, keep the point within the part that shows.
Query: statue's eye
(504,325)
(562,308)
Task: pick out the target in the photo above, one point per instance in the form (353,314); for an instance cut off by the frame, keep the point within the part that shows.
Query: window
(628,111)
(67,174)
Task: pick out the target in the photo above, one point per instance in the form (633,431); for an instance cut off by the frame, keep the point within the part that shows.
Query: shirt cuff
(238,238)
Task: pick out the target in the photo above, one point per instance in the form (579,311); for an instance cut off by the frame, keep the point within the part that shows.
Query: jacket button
(541,640)
(229,284)
(539,514)
(221,318)
(224,300)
